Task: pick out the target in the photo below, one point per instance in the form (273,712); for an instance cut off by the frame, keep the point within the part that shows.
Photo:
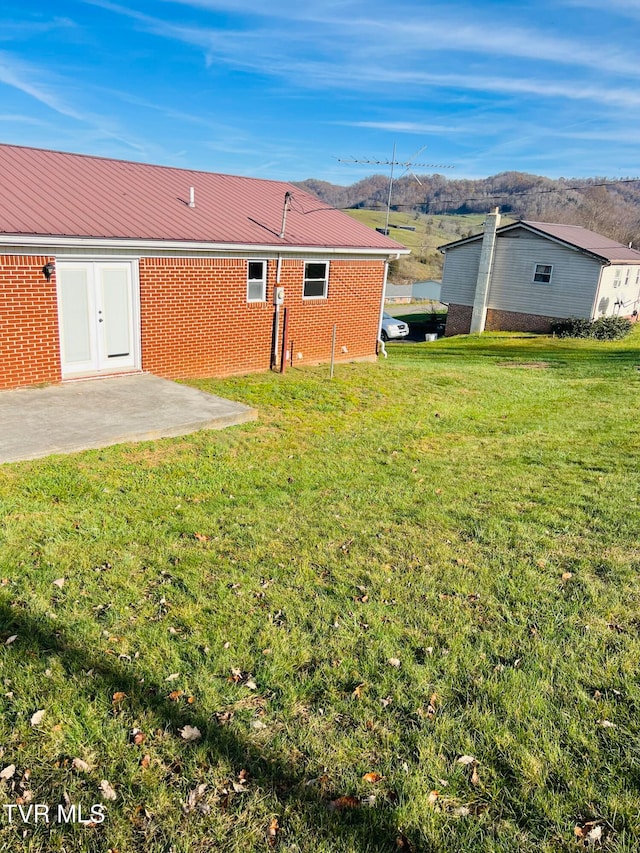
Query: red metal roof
(51,193)
(572,235)
(582,238)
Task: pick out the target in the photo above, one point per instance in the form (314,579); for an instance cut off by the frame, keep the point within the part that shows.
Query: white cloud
(416,127)
(19,75)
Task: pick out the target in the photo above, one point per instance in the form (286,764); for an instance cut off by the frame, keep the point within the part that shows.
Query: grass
(467,509)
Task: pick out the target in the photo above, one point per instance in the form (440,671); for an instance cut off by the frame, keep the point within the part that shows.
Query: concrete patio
(80,415)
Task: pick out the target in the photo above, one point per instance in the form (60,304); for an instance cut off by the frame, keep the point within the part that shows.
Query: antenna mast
(408,167)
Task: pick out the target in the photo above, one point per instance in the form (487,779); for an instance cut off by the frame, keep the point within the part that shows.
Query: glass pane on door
(76,328)
(116,311)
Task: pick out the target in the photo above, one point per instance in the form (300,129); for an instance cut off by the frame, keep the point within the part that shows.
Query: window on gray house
(542,274)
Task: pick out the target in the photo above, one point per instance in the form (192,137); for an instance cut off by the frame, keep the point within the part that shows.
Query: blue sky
(282,89)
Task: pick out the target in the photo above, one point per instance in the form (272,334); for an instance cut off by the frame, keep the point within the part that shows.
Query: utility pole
(408,165)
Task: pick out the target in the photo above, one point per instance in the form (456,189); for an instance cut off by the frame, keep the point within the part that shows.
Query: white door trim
(99,364)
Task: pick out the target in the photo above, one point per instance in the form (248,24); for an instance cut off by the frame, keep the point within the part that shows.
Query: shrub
(572,327)
(602,329)
(610,328)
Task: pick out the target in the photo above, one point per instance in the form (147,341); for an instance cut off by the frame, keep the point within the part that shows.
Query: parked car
(392,328)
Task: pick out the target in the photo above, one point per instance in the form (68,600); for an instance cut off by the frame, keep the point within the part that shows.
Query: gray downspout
(481,297)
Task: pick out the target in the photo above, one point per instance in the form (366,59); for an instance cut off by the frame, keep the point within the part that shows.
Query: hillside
(425,261)
(612,210)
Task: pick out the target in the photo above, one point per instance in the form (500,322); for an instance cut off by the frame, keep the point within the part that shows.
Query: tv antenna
(408,167)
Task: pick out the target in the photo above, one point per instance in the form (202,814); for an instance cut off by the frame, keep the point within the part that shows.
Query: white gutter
(384,288)
(46,240)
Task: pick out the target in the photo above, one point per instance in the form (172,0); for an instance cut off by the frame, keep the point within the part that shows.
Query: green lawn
(421,560)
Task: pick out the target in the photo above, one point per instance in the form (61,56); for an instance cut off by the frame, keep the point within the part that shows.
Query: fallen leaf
(272,831)
(190,733)
(466,759)
(80,765)
(193,797)
(372,777)
(594,835)
(173,676)
(118,696)
(567,576)
(175,695)
(223,717)
(138,736)
(201,537)
(606,724)
(8,772)
(250,684)
(11,639)
(59,582)
(258,725)
(475,779)
(37,718)
(462,811)
(394,662)
(108,793)
(145,761)
(346,802)
(357,691)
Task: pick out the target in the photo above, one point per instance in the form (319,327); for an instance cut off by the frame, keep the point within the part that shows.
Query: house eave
(33,241)
(602,259)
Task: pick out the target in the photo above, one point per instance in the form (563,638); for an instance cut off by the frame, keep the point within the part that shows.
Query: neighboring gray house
(523,276)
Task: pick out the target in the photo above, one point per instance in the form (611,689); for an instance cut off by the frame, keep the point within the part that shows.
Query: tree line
(612,210)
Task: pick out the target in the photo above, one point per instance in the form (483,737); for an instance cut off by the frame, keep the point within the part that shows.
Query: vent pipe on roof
(192,196)
(287,203)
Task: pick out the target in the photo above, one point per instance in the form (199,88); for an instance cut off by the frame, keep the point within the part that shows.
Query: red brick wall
(196,320)
(515,321)
(458,320)
(29,339)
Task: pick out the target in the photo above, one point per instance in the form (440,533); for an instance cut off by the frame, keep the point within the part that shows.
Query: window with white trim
(542,274)
(316,276)
(256,281)
(617,277)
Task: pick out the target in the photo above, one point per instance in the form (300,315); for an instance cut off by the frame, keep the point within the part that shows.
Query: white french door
(98,317)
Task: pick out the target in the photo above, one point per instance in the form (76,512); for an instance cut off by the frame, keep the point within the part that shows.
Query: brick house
(108,266)
(525,275)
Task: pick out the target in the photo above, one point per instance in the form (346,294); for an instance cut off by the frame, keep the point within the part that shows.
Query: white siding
(460,273)
(574,280)
(619,291)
